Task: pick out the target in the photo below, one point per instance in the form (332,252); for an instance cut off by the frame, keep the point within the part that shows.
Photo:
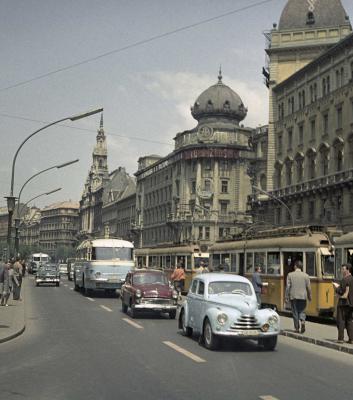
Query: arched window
(310,18)
(209,106)
(350,151)
(338,151)
(289,172)
(299,159)
(311,157)
(263,182)
(324,159)
(278,175)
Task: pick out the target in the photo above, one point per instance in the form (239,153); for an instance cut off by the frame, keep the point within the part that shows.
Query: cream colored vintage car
(225,305)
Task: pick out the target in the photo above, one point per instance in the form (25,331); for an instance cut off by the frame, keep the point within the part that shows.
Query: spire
(101,128)
(101,123)
(220,74)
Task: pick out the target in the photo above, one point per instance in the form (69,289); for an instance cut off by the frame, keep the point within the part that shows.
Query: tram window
(273,263)
(260,261)
(310,264)
(168,262)
(233,265)
(350,256)
(289,259)
(150,261)
(249,262)
(182,261)
(225,262)
(188,263)
(216,260)
(161,262)
(338,262)
(328,265)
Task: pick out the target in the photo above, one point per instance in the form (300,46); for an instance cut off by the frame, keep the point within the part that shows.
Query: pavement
(12,324)
(12,318)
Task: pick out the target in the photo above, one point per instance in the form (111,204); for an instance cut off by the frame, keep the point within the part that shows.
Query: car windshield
(150,278)
(229,288)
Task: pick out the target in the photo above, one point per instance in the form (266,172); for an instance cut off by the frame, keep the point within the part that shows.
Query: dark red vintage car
(148,289)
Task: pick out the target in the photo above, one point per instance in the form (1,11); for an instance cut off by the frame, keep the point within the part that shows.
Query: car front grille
(245,322)
(155,301)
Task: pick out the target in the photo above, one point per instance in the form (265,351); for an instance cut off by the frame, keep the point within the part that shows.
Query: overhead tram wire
(87,130)
(136,44)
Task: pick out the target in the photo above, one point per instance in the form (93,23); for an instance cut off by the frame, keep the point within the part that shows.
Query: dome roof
(301,14)
(219,100)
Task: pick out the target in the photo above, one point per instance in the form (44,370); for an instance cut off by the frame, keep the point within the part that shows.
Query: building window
(193,187)
(224,207)
(312,129)
(339,160)
(208,165)
(290,139)
(301,134)
(224,165)
(278,177)
(299,211)
(339,118)
(207,184)
(312,210)
(278,216)
(324,162)
(224,188)
(289,165)
(300,169)
(279,143)
(325,123)
(207,233)
(311,166)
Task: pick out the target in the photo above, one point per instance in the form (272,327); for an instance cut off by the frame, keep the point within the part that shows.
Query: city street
(77,347)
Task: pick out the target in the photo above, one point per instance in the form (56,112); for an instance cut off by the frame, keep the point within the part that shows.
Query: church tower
(99,169)
(307,28)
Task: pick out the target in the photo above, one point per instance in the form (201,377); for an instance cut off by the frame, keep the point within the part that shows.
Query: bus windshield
(112,253)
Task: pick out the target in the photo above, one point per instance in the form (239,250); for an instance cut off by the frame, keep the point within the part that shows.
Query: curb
(318,342)
(14,335)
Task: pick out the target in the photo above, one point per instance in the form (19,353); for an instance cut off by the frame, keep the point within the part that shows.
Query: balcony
(205,194)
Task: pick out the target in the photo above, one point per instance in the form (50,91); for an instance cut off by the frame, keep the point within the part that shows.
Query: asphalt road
(76,348)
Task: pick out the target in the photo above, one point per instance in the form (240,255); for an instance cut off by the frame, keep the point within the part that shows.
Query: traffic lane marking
(106,308)
(71,288)
(268,398)
(90,299)
(185,352)
(132,323)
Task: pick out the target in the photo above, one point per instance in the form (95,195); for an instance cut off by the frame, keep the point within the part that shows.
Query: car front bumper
(49,280)
(255,334)
(155,306)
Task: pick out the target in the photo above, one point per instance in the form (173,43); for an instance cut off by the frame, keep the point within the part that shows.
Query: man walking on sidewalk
(298,291)
(345,304)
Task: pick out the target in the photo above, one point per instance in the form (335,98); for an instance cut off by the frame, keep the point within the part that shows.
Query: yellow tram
(276,254)
(167,258)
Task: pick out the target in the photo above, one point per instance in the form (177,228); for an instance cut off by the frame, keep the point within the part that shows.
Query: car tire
(37,284)
(187,331)
(211,341)
(268,343)
(57,284)
(133,311)
(172,314)
(124,307)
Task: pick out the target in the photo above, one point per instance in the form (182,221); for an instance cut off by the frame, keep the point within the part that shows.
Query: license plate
(113,280)
(250,332)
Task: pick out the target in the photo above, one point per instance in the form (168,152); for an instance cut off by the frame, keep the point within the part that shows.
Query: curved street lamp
(18,220)
(276,199)
(11,199)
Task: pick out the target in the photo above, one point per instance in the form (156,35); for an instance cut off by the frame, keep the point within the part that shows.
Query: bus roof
(105,243)
(39,255)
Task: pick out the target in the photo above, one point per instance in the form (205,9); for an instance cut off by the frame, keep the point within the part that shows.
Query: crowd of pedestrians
(11,274)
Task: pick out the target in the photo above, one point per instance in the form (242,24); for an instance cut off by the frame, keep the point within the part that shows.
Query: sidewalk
(316,333)
(12,318)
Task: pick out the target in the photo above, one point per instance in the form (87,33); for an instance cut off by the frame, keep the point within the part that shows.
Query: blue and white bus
(102,264)
(36,260)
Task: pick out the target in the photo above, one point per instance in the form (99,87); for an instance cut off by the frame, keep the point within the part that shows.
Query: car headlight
(222,318)
(97,274)
(138,293)
(175,294)
(273,320)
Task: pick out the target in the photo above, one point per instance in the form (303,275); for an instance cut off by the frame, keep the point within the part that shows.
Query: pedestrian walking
(23,263)
(298,291)
(17,280)
(344,317)
(257,283)
(2,281)
(5,285)
(178,278)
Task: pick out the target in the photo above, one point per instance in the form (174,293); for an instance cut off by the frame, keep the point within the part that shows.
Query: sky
(146,89)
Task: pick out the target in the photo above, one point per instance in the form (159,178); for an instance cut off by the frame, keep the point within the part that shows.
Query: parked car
(63,269)
(225,305)
(147,289)
(48,273)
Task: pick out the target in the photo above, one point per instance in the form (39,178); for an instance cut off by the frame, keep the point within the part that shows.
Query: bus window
(260,261)
(249,263)
(328,265)
(233,265)
(273,263)
(112,253)
(310,264)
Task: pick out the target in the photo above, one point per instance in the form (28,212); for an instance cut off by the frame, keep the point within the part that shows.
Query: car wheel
(57,284)
(187,331)
(210,339)
(124,307)
(172,314)
(37,284)
(269,343)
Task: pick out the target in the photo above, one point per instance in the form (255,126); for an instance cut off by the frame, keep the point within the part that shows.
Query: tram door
(289,259)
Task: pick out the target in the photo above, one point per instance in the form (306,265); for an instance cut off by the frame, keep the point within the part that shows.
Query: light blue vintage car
(223,305)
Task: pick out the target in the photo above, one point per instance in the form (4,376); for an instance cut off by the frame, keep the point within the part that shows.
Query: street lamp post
(11,199)
(276,199)
(18,219)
